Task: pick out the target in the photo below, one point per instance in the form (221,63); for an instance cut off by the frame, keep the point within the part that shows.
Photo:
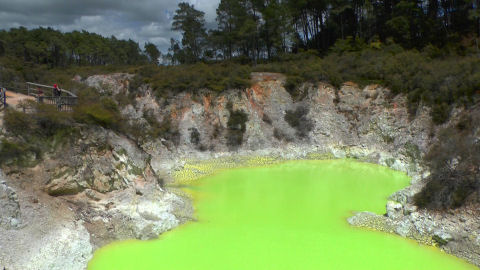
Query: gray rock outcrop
(9,206)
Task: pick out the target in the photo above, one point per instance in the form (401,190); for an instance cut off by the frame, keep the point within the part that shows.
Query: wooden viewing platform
(39,93)
(45,94)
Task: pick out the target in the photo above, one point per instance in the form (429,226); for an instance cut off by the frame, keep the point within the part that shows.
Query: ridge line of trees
(261,30)
(265,29)
(46,46)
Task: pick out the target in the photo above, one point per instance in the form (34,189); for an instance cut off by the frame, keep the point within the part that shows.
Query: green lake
(287,216)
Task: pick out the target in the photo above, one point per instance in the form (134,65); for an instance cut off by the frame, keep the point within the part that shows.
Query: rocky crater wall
(110,186)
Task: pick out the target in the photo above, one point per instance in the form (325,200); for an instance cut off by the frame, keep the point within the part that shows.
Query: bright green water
(289,216)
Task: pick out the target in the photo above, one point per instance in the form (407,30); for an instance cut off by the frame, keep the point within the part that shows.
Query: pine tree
(191,23)
(152,52)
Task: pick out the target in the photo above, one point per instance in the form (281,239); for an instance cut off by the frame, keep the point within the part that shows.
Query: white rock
(394,209)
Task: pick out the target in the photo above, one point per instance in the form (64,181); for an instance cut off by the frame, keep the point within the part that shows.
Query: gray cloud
(140,20)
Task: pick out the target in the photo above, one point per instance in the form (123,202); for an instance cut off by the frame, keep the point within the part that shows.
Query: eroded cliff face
(107,186)
(360,123)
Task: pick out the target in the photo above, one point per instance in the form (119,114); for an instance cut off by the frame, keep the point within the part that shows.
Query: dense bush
(156,129)
(216,77)
(236,126)
(298,120)
(196,140)
(9,151)
(17,153)
(17,122)
(50,121)
(95,114)
(194,136)
(45,121)
(95,109)
(454,162)
(35,133)
(281,136)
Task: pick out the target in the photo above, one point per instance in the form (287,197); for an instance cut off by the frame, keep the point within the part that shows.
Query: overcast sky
(140,20)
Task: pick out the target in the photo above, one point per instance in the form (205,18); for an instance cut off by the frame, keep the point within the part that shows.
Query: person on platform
(56,90)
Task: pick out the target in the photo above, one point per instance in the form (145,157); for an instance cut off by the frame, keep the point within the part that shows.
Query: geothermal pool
(287,216)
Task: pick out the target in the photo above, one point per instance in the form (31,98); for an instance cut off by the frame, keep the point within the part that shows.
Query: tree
(276,29)
(239,24)
(405,25)
(227,19)
(152,52)
(191,23)
(175,54)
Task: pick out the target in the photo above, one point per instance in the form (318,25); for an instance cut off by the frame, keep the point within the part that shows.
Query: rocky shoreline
(108,187)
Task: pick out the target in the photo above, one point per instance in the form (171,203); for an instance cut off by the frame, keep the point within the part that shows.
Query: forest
(263,30)
(53,48)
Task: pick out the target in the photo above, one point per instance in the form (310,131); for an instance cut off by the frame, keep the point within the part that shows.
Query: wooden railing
(62,103)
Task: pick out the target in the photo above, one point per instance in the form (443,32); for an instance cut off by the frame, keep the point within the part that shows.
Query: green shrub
(298,120)
(96,114)
(123,99)
(9,151)
(454,165)
(412,151)
(50,121)
(193,77)
(95,109)
(135,83)
(194,136)
(236,126)
(17,153)
(292,83)
(39,131)
(279,135)
(169,131)
(195,139)
(446,191)
(45,121)
(164,129)
(440,113)
(18,122)
(348,45)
